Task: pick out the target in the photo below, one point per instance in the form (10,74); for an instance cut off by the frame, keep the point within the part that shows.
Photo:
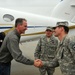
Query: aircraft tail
(65,10)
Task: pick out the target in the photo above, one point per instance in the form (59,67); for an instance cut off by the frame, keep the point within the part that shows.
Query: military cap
(49,28)
(64,23)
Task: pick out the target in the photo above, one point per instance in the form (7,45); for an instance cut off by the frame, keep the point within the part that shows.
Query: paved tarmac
(28,49)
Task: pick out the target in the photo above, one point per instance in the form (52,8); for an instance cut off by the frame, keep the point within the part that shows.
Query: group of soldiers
(56,52)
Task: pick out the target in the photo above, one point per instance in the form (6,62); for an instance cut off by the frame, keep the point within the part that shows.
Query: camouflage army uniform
(46,50)
(65,56)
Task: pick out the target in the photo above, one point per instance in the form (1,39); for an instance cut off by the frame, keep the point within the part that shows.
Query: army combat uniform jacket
(65,56)
(46,50)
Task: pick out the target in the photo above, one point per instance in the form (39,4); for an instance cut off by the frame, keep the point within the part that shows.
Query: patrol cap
(64,23)
(49,29)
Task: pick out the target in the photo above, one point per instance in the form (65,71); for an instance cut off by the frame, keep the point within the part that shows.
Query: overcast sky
(41,7)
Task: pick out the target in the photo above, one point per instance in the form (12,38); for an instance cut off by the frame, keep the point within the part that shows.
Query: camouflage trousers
(49,70)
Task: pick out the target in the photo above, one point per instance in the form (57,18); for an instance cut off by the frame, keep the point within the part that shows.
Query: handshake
(38,63)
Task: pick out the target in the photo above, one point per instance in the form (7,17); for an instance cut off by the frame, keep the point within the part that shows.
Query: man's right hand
(38,63)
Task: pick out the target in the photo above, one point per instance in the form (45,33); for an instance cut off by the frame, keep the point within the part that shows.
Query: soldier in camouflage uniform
(65,58)
(46,50)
